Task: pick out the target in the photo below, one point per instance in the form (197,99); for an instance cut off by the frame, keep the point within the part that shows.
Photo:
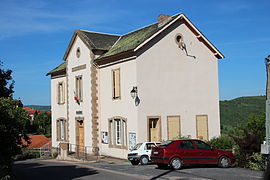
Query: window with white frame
(117,132)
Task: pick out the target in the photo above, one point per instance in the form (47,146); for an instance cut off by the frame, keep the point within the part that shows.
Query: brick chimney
(162,18)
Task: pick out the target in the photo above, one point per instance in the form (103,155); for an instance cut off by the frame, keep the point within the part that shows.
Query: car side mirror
(212,148)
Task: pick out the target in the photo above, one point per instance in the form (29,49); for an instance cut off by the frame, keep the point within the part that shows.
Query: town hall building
(157,83)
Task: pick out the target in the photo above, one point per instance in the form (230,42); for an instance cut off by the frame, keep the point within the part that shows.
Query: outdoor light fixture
(267,60)
(133,92)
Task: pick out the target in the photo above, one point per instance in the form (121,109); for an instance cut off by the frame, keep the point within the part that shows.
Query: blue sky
(34,35)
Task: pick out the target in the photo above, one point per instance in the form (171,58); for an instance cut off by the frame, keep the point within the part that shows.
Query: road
(62,170)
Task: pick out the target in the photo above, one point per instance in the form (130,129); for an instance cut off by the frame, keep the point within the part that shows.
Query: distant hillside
(38,107)
(235,112)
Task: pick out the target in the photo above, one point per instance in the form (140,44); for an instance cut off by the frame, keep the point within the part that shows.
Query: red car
(189,151)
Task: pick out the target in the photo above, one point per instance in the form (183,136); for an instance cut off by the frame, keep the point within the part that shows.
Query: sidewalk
(99,159)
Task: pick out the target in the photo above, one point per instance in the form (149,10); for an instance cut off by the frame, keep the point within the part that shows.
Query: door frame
(159,124)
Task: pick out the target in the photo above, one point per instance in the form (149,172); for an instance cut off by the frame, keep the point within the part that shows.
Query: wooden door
(202,127)
(173,127)
(80,136)
(154,129)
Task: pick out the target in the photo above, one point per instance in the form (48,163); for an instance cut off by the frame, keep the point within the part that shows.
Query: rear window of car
(166,143)
(186,145)
(149,146)
(202,146)
(137,146)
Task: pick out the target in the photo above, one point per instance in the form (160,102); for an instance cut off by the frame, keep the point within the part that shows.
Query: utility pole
(265,149)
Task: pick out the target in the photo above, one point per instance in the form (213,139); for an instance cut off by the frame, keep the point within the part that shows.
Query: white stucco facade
(169,82)
(59,111)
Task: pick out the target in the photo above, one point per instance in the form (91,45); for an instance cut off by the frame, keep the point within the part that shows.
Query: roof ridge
(139,29)
(98,32)
(84,36)
(177,14)
(116,42)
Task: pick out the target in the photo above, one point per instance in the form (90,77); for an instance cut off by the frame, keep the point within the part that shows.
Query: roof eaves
(61,67)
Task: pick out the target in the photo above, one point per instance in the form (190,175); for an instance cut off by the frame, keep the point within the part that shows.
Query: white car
(141,153)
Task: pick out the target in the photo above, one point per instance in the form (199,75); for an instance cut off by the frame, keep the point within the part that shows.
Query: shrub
(256,162)
(27,155)
(222,142)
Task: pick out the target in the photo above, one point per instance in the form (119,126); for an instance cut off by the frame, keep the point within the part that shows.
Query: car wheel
(144,160)
(176,163)
(134,162)
(162,166)
(224,162)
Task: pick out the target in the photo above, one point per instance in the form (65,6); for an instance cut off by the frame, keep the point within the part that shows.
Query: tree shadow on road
(34,171)
(163,174)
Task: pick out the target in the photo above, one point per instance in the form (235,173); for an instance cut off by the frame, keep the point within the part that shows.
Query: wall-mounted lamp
(134,92)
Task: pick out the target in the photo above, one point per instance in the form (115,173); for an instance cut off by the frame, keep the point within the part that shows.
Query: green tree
(253,134)
(6,82)
(43,123)
(13,128)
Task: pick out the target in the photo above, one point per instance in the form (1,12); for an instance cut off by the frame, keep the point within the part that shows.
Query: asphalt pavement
(63,170)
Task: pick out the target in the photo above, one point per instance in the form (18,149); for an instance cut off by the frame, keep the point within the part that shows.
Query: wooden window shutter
(173,127)
(63,92)
(202,127)
(57,93)
(116,74)
(77,87)
(58,133)
(65,130)
(81,88)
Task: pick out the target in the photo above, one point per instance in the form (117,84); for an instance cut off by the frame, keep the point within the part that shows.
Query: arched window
(118,132)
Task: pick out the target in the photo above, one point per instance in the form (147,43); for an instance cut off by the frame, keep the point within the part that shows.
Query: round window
(179,39)
(78,52)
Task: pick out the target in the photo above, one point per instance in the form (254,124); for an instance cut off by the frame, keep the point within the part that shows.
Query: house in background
(153,84)
(31,112)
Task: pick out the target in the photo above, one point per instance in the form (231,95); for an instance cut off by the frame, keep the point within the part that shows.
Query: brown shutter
(202,127)
(117,83)
(77,87)
(173,127)
(58,130)
(63,92)
(57,93)
(81,88)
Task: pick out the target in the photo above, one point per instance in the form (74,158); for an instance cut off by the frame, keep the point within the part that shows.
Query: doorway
(80,135)
(154,129)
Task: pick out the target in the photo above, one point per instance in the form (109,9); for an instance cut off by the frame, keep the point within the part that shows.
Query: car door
(187,152)
(206,154)
(148,147)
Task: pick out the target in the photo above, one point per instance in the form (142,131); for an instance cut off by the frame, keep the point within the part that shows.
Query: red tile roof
(37,141)
(32,111)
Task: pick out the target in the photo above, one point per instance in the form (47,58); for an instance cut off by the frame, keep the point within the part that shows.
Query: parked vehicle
(141,153)
(189,151)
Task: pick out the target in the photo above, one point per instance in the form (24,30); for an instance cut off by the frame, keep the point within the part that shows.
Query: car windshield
(166,143)
(137,146)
